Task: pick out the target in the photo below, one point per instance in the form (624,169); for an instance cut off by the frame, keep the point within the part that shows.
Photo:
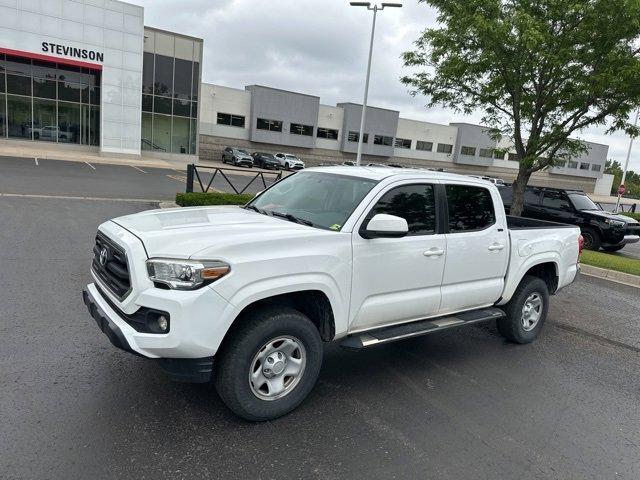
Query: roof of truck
(380,173)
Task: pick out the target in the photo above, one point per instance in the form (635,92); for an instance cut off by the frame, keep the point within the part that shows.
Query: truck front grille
(110,266)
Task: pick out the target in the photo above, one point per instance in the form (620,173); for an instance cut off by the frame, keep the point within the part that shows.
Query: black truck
(600,229)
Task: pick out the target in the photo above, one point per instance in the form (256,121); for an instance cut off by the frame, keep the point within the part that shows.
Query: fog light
(163,323)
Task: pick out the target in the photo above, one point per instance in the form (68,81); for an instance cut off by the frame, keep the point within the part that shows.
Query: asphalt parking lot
(462,404)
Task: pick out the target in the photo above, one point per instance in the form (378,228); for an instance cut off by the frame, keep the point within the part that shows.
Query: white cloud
(317,47)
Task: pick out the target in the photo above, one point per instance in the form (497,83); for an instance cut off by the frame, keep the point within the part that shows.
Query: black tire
(512,326)
(612,248)
(592,239)
(224,160)
(235,361)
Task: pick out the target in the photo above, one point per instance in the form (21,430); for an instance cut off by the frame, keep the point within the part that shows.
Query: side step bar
(380,336)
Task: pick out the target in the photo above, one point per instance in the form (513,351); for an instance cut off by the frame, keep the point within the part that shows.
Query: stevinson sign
(80,53)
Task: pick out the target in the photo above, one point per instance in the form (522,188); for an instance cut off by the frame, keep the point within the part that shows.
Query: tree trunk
(519,187)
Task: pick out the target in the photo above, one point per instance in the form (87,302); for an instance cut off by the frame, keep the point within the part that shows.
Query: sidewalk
(611,275)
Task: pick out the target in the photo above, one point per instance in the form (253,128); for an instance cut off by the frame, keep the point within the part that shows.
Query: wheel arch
(546,269)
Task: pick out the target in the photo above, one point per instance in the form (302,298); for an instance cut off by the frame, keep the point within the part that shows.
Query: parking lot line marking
(139,169)
(178,178)
(90,165)
(100,199)
(36,160)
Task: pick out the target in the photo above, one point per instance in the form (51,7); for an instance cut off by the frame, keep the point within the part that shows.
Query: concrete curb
(168,204)
(611,275)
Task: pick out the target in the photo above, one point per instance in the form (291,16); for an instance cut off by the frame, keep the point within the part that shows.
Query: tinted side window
(532,196)
(415,203)
(470,208)
(555,200)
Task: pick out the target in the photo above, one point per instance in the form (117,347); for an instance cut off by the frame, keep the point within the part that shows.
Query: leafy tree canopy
(539,70)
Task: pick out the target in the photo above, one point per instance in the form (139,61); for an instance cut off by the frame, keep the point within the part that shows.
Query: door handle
(496,246)
(433,252)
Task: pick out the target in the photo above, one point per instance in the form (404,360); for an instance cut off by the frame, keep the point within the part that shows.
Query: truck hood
(609,215)
(183,232)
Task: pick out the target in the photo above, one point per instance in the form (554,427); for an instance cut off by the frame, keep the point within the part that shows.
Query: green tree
(632,181)
(539,70)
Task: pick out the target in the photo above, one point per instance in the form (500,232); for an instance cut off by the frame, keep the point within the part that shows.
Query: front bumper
(626,240)
(191,370)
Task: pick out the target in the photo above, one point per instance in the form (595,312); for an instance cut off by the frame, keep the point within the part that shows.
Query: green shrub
(632,215)
(197,199)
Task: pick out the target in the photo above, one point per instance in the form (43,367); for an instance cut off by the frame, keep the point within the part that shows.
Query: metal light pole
(375,9)
(626,163)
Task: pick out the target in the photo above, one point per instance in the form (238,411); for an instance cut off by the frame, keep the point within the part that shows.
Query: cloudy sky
(317,47)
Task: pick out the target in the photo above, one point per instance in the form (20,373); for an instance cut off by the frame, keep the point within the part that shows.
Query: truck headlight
(185,274)
(615,223)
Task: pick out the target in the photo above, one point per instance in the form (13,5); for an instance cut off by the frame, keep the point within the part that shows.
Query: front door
(397,280)
(477,249)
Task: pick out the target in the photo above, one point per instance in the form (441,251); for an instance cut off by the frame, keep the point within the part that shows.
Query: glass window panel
(182,79)
(382,140)
(3,117)
(85,121)
(18,117)
(43,88)
(162,133)
(194,112)
(45,125)
(195,84)
(147,103)
(486,152)
(147,73)
(403,143)
(94,132)
(69,92)
(426,146)
(19,85)
(2,82)
(556,200)
(182,108)
(147,131)
(415,203)
(84,93)
(471,151)
(17,65)
(470,208)
(95,95)
(46,70)
(194,137)
(445,148)
(162,105)
(69,73)
(68,122)
(163,81)
(180,135)
(300,129)
(329,133)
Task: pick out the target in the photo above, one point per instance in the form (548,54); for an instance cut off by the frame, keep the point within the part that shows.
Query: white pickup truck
(361,256)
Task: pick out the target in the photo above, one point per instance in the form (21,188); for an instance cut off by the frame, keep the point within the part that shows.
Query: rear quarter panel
(531,247)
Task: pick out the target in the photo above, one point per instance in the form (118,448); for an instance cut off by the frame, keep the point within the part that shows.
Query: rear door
(477,248)
(557,207)
(397,280)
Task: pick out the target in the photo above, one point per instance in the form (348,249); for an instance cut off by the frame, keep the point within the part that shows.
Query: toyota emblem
(104,256)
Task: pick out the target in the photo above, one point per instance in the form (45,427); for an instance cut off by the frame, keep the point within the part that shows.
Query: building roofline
(282,90)
(368,106)
(169,32)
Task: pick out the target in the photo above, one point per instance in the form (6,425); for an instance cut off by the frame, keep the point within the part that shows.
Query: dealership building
(88,76)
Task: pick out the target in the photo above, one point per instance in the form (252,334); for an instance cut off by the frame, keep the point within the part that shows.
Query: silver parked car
(237,157)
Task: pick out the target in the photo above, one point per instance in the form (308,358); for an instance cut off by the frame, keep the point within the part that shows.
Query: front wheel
(526,312)
(269,363)
(592,240)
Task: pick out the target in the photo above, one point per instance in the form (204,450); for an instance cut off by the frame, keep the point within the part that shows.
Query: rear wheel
(526,312)
(269,364)
(611,248)
(592,240)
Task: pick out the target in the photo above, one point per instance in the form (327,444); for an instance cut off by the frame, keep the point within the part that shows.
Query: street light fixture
(375,9)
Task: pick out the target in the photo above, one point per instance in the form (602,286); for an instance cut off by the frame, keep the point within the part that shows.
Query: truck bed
(522,223)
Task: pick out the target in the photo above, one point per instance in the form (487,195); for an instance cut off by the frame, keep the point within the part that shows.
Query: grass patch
(632,215)
(611,262)
(197,199)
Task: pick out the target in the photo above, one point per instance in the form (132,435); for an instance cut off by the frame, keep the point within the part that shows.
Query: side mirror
(386,226)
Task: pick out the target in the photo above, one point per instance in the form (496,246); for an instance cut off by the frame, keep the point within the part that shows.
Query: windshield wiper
(293,218)
(255,209)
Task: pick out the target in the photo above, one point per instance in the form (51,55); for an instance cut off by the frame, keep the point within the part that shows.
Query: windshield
(323,199)
(582,202)
(242,151)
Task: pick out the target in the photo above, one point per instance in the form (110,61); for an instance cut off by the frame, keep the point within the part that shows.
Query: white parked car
(359,256)
(289,161)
